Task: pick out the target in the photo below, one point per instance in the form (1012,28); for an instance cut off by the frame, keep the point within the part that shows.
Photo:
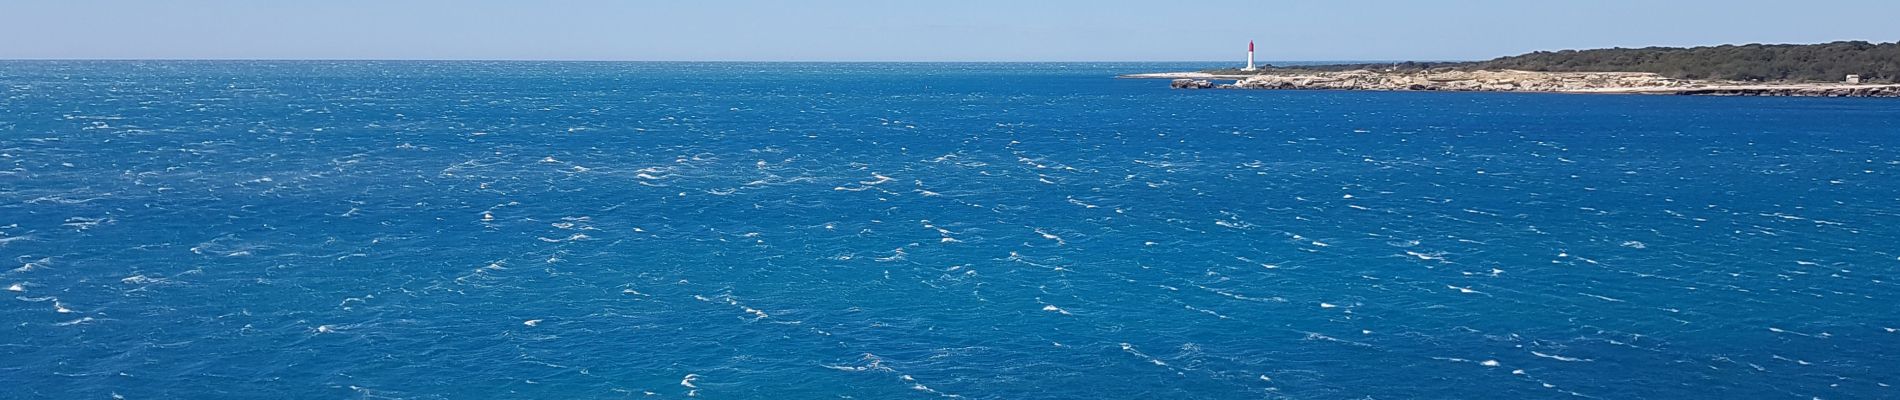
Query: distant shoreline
(1835,69)
(1511,81)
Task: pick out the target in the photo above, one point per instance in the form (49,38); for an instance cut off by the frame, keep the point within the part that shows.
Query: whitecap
(1051,236)
(1604,298)
(1323,337)
(1464,290)
(30,266)
(1560,358)
(896,255)
(1131,350)
(1206,311)
(141,280)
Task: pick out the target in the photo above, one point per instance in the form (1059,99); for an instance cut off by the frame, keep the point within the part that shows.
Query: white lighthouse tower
(1250,66)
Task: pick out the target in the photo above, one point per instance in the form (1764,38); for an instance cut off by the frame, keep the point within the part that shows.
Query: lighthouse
(1250,66)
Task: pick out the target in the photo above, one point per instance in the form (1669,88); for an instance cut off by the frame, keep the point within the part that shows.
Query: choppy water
(871,231)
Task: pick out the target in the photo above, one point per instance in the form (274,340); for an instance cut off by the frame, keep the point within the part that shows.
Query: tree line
(1753,62)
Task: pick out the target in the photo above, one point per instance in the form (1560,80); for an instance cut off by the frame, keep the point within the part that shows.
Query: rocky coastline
(1512,81)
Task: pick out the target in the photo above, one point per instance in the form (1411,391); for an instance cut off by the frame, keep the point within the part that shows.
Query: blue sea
(571,230)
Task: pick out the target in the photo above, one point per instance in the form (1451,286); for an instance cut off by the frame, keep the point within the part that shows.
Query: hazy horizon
(869,31)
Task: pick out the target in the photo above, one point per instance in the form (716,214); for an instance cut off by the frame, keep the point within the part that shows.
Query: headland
(1859,69)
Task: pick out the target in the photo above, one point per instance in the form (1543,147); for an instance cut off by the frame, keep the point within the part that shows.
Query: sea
(596,230)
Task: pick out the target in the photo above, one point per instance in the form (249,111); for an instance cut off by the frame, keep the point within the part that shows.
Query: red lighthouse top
(1250,46)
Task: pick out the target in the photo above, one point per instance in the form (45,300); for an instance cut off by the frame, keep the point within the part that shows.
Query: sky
(906,30)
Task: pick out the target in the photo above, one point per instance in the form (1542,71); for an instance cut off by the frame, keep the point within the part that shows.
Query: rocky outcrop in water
(1192,84)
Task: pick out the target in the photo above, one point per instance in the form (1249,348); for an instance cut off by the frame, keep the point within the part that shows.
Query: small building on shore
(1853,79)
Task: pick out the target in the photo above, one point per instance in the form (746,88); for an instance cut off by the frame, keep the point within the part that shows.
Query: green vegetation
(1826,62)
(1754,62)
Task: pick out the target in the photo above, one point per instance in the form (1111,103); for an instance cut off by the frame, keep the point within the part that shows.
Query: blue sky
(903,30)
